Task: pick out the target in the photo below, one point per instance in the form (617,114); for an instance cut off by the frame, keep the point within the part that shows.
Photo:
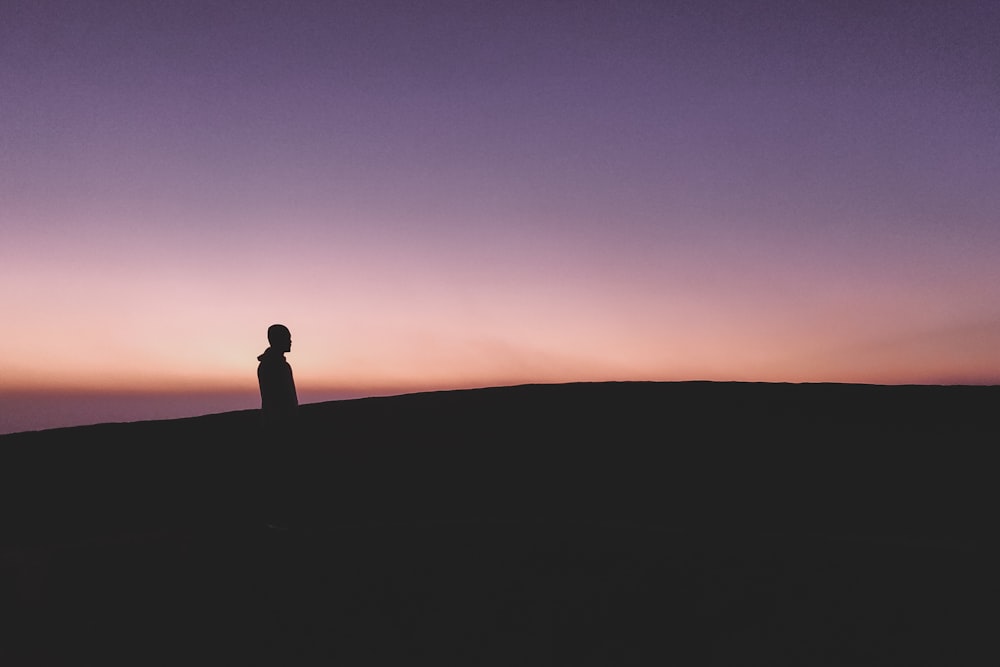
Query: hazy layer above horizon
(32,411)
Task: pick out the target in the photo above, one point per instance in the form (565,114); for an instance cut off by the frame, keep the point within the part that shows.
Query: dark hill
(612,523)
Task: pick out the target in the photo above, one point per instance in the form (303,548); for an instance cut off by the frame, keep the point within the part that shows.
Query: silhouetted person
(278,401)
(278,437)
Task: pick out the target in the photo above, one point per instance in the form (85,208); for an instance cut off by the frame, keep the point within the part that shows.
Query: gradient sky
(457,194)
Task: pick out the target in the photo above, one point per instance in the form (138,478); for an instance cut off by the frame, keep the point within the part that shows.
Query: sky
(437,195)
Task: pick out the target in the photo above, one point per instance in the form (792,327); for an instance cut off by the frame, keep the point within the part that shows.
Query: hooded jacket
(277,387)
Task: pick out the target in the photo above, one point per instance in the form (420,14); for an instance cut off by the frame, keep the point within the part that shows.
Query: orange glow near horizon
(436,319)
(179,345)
(374,352)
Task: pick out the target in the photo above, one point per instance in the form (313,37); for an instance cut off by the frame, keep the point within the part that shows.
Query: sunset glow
(451,195)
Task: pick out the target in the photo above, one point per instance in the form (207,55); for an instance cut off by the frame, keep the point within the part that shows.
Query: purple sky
(448,194)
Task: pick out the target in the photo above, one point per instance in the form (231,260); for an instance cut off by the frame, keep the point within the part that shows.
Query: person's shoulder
(269,365)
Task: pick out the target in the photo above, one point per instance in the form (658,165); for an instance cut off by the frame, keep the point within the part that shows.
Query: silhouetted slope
(583,524)
(807,457)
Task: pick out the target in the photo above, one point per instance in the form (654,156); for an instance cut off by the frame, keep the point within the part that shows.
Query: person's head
(279,337)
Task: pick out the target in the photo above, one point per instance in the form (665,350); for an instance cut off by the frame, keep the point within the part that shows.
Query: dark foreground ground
(592,524)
